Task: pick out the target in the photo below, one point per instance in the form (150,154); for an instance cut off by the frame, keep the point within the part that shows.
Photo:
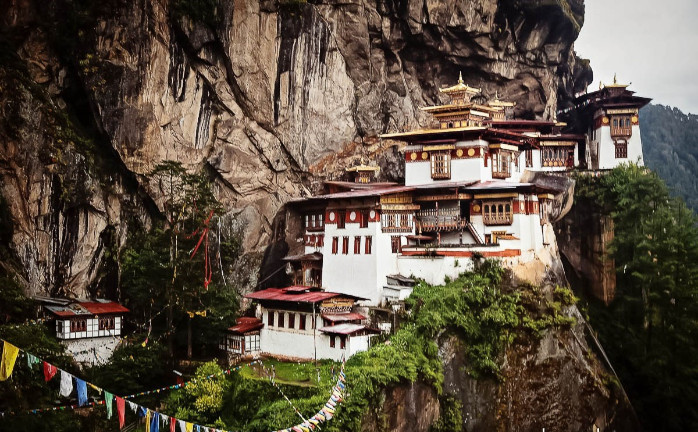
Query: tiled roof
(87,309)
(246,324)
(340,317)
(347,329)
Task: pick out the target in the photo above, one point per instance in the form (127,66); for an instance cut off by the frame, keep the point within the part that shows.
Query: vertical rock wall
(260,93)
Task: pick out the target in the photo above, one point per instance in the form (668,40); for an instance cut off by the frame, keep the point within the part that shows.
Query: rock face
(260,93)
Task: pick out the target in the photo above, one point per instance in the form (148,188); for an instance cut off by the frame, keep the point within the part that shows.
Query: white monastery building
(90,330)
(467,194)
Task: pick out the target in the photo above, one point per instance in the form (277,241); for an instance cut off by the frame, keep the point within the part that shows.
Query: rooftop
(246,324)
(98,307)
(347,329)
(296,294)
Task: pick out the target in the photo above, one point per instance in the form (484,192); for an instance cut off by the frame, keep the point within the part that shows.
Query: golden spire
(460,77)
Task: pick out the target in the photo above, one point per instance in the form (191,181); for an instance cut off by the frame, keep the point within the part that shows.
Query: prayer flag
(9,356)
(120,410)
(32,360)
(108,398)
(66,384)
(155,422)
(49,371)
(81,388)
(173,422)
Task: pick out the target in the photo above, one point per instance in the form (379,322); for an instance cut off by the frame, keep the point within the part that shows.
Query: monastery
(467,194)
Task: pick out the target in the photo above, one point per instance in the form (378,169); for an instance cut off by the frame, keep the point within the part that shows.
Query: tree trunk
(189,339)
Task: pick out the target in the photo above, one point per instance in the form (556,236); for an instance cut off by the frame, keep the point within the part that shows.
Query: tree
(202,399)
(169,268)
(650,328)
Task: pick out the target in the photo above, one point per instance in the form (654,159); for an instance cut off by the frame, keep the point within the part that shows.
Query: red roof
(86,309)
(246,324)
(98,308)
(293,294)
(359,193)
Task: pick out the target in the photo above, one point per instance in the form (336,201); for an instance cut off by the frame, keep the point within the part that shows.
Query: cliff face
(261,93)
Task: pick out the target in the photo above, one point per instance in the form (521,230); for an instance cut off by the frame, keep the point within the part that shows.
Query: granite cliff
(267,96)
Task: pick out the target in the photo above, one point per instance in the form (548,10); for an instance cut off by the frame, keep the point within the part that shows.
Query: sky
(651,43)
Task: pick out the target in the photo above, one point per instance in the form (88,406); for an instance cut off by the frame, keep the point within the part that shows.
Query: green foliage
(670,146)
(161,271)
(201,401)
(451,418)
(131,369)
(15,306)
(540,313)
(649,329)
(26,389)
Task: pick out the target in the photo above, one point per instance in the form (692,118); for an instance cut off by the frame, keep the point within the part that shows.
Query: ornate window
(357,245)
(396,222)
(498,213)
(335,245)
(78,325)
(501,164)
(529,158)
(314,222)
(621,149)
(557,156)
(621,126)
(441,165)
(395,244)
(368,245)
(107,323)
(345,245)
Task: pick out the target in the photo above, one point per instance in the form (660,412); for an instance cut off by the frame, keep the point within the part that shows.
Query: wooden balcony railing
(621,131)
(440,220)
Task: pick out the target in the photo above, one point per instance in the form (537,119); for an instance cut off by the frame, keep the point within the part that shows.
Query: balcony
(621,131)
(440,220)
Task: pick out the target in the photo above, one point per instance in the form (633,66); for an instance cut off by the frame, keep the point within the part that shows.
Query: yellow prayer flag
(189,426)
(9,356)
(147,420)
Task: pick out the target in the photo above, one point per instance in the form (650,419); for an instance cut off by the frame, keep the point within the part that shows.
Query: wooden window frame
(78,325)
(301,321)
(281,320)
(341,219)
(357,245)
(621,149)
(363,222)
(292,320)
(332,344)
(342,342)
(335,245)
(270,318)
(107,323)
(529,158)
(501,164)
(503,212)
(440,165)
(345,245)
(368,245)
(395,244)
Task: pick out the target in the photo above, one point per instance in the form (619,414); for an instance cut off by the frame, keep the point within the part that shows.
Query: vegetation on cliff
(649,330)
(670,146)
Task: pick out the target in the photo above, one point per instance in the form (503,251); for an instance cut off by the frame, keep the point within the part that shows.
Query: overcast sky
(653,43)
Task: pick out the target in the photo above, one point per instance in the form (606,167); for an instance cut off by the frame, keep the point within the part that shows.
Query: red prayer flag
(173,422)
(120,404)
(49,371)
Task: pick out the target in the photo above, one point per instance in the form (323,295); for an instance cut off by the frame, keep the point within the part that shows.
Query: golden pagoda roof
(363,167)
(461,107)
(614,85)
(432,131)
(498,103)
(460,87)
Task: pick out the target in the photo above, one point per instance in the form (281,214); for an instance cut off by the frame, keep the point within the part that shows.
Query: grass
(294,373)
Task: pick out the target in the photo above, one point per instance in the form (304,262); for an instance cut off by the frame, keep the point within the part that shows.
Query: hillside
(670,146)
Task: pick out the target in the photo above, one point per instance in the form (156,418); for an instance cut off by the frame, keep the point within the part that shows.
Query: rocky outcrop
(263,94)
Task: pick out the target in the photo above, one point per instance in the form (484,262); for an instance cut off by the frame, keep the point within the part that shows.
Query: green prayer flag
(108,398)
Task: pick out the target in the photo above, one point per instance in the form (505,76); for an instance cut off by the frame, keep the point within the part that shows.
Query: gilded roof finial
(460,77)
(600,84)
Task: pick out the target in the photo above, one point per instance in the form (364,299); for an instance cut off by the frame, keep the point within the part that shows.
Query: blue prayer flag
(81,388)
